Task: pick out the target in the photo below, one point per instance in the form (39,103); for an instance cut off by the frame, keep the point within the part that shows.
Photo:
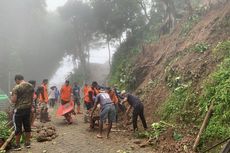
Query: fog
(37,42)
(66,68)
(43,41)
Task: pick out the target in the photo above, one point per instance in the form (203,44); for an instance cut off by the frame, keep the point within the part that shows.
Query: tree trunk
(143,6)
(120,40)
(189,7)
(109,53)
(170,13)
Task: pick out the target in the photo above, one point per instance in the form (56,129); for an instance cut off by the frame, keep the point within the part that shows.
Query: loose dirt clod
(46,133)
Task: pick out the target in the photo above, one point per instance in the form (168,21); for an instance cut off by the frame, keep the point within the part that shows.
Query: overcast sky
(53,4)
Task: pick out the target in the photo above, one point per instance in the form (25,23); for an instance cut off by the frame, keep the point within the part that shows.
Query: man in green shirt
(22,98)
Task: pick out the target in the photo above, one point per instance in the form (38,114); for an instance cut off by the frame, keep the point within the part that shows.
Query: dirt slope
(170,51)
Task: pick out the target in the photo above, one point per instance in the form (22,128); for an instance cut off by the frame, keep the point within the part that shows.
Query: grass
(200,47)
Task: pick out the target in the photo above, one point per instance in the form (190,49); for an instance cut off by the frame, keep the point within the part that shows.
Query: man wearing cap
(138,109)
(107,111)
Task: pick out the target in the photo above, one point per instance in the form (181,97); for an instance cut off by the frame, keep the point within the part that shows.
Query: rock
(44,151)
(51,127)
(49,138)
(41,139)
(53,136)
(50,132)
(42,133)
(137,141)
(44,128)
(132,147)
(185,149)
(54,143)
(143,145)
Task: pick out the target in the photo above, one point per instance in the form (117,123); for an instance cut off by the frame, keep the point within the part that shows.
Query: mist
(66,68)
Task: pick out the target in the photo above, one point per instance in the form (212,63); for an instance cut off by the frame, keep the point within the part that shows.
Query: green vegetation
(4,130)
(121,70)
(155,131)
(200,47)
(217,90)
(177,136)
(222,50)
(185,106)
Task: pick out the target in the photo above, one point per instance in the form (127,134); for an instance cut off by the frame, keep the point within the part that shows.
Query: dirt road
(76,138)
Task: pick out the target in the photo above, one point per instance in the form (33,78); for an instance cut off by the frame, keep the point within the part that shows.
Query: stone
(137,141)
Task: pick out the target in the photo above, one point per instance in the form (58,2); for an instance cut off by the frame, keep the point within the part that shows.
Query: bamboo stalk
(226,148)
(7,141)
(117,130)
(8,123)
(203,126)
(12,128)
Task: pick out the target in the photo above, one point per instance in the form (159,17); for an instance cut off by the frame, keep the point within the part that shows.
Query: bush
(200,47)
(4,130)
(222,50)
(217,90)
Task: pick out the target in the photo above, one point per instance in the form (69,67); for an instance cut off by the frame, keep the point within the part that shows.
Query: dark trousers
(52,103)
(22,118)
(139,111)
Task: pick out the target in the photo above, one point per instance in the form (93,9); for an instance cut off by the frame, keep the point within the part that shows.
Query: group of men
(109,100)
(26,102)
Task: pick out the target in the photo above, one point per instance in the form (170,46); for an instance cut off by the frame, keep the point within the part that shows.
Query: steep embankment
(171,73)
(178,52)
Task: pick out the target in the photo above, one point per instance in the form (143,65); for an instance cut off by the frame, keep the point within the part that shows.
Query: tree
(80,16)
(170,15)
(116,16)
(189,7)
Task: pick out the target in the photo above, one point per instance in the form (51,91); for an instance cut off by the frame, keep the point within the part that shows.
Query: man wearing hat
(138,109)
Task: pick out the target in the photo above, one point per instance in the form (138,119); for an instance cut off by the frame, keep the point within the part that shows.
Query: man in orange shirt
(65,94)
(88,93)
(43,101)
(114,99)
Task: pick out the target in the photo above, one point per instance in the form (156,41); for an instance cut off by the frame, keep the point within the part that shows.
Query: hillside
(173,76)
(171,54)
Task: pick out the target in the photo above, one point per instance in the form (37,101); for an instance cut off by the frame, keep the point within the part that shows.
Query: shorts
(88,105)
(108,112)
(21,118)
(77,101)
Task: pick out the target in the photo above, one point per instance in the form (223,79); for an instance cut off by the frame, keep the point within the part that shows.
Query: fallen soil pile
(45,133)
